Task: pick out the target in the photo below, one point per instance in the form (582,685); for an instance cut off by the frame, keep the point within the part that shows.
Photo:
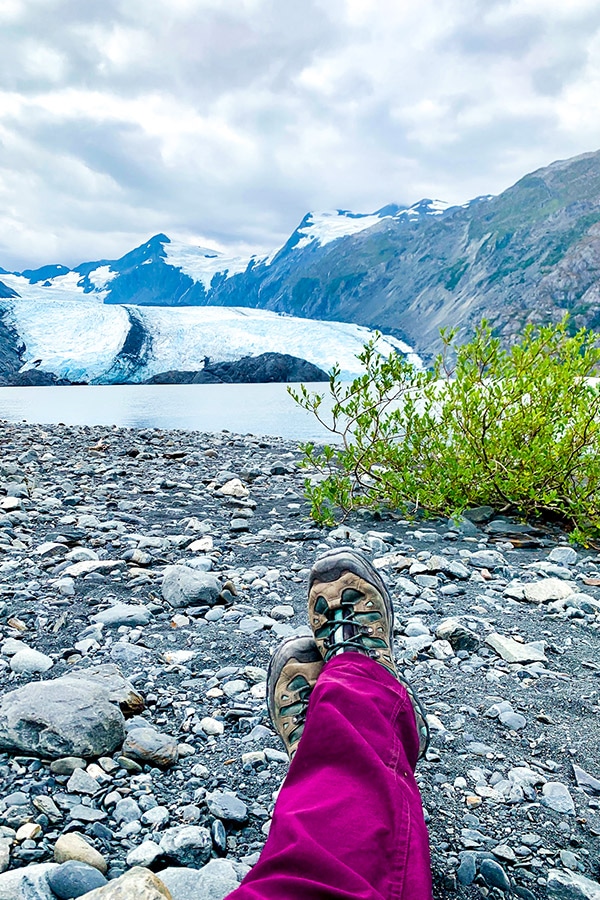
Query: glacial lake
(260,409)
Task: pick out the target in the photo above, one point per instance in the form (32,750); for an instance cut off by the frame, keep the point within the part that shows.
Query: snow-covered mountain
(161,308)
(166,272)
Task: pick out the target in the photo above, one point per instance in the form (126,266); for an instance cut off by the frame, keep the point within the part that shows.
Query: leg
(348,822)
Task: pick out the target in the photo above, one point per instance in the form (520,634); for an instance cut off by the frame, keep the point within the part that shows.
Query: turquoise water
(261,409)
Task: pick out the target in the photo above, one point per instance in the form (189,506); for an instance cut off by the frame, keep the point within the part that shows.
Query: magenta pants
(348,822)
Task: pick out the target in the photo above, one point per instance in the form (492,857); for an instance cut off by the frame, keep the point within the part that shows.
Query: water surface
(261,409)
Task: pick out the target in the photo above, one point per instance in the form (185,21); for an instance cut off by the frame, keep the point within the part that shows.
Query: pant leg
(348,822)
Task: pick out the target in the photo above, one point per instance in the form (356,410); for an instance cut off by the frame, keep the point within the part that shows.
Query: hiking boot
(292,675)
(349,608)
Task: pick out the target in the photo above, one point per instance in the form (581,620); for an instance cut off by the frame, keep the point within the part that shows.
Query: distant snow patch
(201,263)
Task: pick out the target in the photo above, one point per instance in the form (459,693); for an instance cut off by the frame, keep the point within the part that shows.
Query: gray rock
(144,855)
(564,885)
(214,881)
(11,882)
(74,879)
(63,717)
(150,746)
(126,810)
(586,781)
(556,796)
(457,635)
(547,589)
(28,661)
(123,614)
(468,867)
(514,652)
(564,556)
(494,875)
(183,586)
(486,559)
(227,806)
(82,783)
(188,845)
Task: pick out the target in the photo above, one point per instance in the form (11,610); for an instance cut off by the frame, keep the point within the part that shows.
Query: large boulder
(67,716)
(120,690)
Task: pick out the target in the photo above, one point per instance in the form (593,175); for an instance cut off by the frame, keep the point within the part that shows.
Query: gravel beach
(146,577)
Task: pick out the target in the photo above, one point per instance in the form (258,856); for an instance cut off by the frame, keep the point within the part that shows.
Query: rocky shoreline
(145,578)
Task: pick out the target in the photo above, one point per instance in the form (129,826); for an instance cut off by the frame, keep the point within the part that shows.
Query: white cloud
(120,118)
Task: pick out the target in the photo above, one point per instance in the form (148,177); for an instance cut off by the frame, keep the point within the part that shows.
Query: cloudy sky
(223,121)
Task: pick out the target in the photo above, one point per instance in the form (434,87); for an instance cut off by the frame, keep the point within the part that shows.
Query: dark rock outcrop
(268,367)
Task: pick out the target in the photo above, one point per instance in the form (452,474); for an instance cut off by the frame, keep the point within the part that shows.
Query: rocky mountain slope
(529,254)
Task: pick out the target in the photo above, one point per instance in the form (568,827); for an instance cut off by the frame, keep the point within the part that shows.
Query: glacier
(86,340)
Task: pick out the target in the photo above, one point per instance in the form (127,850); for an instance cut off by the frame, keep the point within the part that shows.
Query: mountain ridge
(529,254)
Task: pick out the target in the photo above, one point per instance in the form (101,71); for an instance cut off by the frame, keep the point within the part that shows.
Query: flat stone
(63,717)
(74,846)
(150,746)
(82,783)
(214,881)
(123,614)
(183,586)
(66,765)
(563,885)
(227,806)
(547,589)
(137,882)
(514,652)
(586,781)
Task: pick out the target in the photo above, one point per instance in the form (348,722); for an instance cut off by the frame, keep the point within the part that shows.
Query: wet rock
(63,717)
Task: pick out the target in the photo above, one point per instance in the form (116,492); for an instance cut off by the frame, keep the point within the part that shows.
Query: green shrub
(515,428)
